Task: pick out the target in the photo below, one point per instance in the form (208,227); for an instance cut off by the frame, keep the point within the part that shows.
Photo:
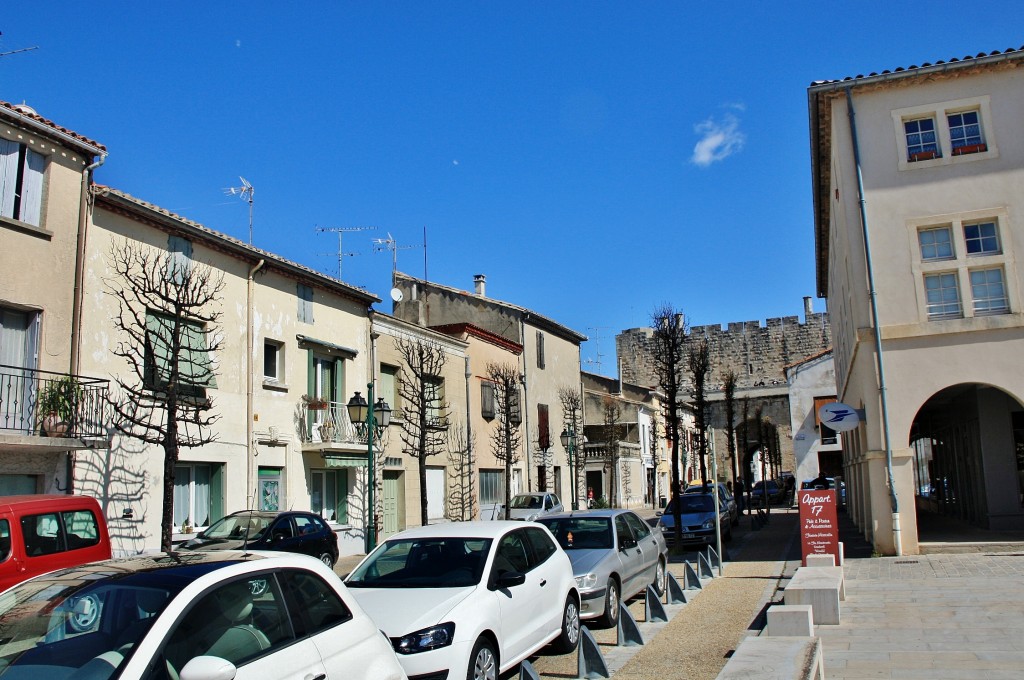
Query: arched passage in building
(968,443)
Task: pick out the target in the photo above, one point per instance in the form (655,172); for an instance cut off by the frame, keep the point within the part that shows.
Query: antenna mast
(597,340)
(391,245)
(245,192)
(340,231)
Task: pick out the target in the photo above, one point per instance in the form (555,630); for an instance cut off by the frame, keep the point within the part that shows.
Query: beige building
(816,447)
(549,361)
(919,218)
(444,483)
(49,406)
(294,348)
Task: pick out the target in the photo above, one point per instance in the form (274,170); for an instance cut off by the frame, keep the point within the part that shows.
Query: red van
(41,533)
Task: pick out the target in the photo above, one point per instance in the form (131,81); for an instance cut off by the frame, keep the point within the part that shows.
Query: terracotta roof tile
(20,110)
(924,65)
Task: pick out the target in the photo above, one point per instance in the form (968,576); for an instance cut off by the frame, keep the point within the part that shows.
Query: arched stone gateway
(968,460)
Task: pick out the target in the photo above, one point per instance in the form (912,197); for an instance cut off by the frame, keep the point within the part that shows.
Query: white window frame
(191,515)
(962,263)
(942,305)
(275,347)
(940,112)
(988,310)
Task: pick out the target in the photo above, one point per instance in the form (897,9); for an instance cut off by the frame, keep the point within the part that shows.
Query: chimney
(480,285)
(808,307)
(680,320)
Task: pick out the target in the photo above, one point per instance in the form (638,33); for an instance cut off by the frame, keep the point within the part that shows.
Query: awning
(306,342)
(344,460)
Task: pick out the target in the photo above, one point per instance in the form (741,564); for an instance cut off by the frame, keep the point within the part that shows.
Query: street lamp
(370,419)
(568,438)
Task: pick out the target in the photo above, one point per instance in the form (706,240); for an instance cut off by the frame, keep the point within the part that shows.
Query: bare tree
(572,423)
(698,360)
(424,423)
(168,311)
(506,437)
(668,353)
(462,489)
(730,424)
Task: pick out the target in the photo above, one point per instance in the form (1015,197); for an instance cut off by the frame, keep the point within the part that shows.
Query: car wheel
(327,559)
(483,662)
(611,604)
(659,578)
(569,637)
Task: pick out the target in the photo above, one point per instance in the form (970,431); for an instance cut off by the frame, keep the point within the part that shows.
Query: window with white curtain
(18,333)
(21,182)
(192,495)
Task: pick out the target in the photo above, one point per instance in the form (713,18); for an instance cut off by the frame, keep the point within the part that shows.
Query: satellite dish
(396,295)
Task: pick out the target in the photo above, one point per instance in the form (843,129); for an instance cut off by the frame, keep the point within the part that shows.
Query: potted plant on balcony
(57,406)
(314,403)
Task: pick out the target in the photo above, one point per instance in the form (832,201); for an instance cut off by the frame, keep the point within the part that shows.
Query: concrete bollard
(794,620)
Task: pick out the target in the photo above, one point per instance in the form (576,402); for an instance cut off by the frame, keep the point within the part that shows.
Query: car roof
(533,493)
(602,512)
(474,529)
(34,501)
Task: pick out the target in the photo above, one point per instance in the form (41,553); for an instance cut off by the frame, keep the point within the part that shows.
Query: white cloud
(719,139)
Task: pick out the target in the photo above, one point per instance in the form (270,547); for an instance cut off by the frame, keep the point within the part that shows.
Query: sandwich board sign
(819,525)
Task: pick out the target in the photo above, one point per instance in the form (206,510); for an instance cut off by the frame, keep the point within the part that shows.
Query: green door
(389,522)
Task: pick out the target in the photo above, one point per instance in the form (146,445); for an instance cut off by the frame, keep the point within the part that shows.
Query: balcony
(330,427)
(52,410)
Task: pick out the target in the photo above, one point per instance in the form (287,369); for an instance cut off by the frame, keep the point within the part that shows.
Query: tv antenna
(340,231)
(245,192)
(23,49)
(597,341)
(391,245)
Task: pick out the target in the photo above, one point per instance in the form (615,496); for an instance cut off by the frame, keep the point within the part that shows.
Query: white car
(530,506)
(212,615)
(470,599)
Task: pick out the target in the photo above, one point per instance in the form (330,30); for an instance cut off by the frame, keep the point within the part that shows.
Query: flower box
(923,156)
(315,403)
(970,148)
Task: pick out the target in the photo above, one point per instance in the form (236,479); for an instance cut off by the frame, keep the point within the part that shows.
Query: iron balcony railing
(34,402)
(329,425)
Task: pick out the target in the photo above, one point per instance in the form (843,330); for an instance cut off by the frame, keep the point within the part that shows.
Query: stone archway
(968,457)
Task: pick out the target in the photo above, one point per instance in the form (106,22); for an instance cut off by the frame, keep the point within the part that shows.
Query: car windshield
(55,625)
(581,533)
(522,502)
(449,562)
(239,526)
(689,503)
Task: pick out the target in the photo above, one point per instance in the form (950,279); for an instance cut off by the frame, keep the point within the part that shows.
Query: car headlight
(586,582)
(709,524)
(424,640)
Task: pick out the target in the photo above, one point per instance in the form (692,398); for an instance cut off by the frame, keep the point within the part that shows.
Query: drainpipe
(250,453)
(897,539)
(76,297)
(525,407)
(469,441)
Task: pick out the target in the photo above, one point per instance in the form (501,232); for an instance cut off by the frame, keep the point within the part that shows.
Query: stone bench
(790,620)
(820,587)
(776,658)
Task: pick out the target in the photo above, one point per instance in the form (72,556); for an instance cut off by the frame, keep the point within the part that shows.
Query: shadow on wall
(116,477)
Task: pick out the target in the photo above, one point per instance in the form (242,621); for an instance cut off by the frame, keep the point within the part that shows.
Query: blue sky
(593,159)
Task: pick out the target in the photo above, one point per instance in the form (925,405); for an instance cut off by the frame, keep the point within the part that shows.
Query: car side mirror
(509,579)
(657,513)
(208,668)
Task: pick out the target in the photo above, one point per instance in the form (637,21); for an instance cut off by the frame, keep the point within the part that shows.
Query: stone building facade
(758,354)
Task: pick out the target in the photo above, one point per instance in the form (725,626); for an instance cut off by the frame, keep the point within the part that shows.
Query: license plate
(688,535)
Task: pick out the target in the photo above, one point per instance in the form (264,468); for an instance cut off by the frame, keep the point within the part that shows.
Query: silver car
(530,506)
(615,555)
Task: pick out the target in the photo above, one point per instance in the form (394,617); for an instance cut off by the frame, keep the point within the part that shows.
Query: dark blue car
(696,519)
(292,531)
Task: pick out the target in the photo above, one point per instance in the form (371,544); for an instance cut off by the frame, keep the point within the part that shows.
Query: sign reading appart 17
(819,527)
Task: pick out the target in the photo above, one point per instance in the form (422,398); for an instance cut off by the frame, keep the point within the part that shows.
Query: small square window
(922,143)
(981,239)
(936,244)
(943,296)
(988,292)
(965,133)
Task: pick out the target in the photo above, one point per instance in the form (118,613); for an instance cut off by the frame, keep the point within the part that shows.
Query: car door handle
(322,676)
(543,582)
